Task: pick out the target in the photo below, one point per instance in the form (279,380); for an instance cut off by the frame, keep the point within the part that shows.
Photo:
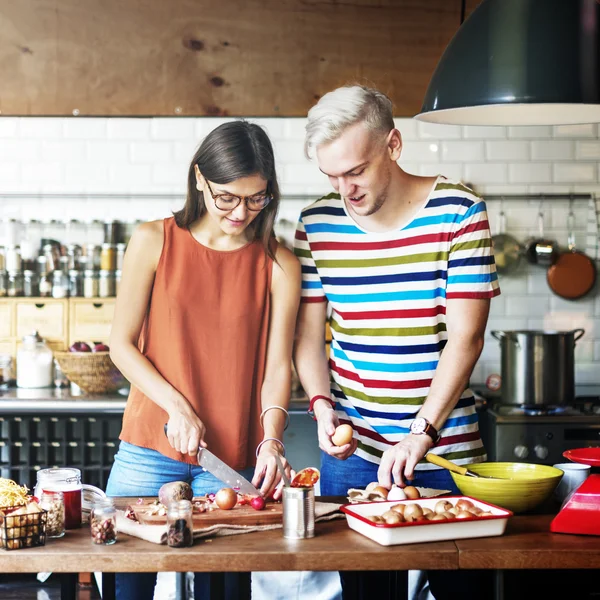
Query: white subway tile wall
(128,156)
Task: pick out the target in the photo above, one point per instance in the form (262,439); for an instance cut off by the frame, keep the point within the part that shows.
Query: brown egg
(375,519)
(441,506)
(427,511)
(413,512)
(398,508)
(485,514)
(372,486)
(454,510)
(343,435)
(381,490)
(392,518)
(412,493)
(437,517)
(464,504)
(448,515)
(463,514)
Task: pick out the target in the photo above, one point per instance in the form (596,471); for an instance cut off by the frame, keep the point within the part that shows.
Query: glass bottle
(60,284)
(34,363)
(103,522)
(54,503)
(68,481)
(179,524)
(31,286)
(75,284)
(106,284)
(90,284)
(108,257)
(14,287)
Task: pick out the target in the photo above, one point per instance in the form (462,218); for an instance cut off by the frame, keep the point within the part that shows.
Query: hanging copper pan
(573,275)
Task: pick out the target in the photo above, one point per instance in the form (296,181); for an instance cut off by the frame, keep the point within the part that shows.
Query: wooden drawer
(7,318)
(47,316)
(90,319)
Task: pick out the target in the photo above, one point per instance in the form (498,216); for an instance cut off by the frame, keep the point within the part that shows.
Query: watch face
(418,426)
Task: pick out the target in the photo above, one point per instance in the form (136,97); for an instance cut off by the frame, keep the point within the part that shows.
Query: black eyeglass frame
(215,197)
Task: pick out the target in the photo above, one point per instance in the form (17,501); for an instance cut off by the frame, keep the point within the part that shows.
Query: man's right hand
(327,421)
(186,432)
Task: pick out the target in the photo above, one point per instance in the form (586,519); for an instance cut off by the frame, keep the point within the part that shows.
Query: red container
(67,481)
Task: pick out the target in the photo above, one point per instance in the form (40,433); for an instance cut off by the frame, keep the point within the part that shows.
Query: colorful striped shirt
(387,293)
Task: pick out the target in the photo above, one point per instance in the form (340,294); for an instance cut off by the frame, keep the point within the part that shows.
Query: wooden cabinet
(59,321)
(90,320)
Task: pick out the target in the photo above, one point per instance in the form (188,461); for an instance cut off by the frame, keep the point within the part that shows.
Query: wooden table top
(527,544)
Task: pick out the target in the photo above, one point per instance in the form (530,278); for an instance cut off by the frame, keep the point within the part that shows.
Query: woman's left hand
(266,473)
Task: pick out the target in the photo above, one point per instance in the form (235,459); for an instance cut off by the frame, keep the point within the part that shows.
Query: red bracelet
(311,405)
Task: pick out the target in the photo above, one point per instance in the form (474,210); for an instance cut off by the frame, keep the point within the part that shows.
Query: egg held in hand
(342,435)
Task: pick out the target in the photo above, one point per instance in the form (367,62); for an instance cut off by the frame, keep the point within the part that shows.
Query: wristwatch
(421,426)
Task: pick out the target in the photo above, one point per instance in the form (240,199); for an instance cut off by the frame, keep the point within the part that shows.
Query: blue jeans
(355,472)
(141,472)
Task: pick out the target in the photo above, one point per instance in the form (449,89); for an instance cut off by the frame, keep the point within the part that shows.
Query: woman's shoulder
(286,263)
(147,239)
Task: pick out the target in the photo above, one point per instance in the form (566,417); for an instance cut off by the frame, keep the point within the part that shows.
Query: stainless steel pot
(538,367)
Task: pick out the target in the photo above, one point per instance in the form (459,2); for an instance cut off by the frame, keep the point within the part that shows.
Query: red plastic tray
(585,456)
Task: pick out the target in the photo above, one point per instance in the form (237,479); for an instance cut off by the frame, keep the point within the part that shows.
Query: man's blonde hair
(343,107)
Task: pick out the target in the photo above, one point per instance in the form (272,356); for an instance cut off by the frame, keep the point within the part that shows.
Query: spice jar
(13,258)
(120,256)
(31,287)
(179,524)
(34,363)
(103,522)
(60,284)
(54,503)
(108,257)
(14,284)
(75,284)
(3,284)
(90,284)
(68,481)
(106,284)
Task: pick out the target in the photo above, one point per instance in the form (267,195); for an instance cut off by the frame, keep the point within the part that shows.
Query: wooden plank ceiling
(214,57)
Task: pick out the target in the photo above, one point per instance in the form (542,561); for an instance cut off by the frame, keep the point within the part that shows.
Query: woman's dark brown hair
(229,152)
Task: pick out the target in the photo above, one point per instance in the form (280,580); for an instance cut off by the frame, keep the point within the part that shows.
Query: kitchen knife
(214,465)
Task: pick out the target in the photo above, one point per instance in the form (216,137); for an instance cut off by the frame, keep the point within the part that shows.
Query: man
(405,265)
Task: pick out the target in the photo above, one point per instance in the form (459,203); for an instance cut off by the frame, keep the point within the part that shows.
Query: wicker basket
(93,372)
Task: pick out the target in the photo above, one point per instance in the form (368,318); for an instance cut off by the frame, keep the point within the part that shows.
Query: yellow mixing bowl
(520,486)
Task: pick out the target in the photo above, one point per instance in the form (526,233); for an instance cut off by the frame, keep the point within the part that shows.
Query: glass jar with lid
(68,481)
(106,284)
(90,283)
(75,283)
(103,522)
(54,504)
(179,524)
(60,284)
(34,363)
(31,284)
(14,284)
(3,284)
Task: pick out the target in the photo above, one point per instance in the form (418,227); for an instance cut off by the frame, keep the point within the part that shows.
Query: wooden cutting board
(272,514)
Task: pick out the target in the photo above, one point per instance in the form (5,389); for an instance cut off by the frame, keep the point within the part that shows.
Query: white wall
(140,156)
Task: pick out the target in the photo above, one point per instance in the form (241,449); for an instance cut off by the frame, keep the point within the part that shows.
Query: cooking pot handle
(578,333)
(500,335)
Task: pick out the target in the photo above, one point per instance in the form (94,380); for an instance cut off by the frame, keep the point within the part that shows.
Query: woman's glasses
(228,201)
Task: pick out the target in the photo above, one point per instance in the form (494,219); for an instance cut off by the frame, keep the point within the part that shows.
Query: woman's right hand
(327,421)
(186,432)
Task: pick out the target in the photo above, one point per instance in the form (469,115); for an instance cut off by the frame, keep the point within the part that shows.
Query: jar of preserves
(106,284)
(54,504)
(68,481)
(14,287)
(34,363)
(31,284)
(103,522)
(90,284)
(108,257)
(179,524)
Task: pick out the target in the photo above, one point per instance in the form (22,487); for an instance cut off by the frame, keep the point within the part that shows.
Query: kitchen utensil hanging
(573,274)
(507,250)
(541,250)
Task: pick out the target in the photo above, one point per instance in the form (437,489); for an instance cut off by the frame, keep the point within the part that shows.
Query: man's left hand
(399,462)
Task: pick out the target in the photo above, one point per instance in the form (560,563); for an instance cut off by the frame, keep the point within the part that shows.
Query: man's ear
(199,178)
(394,144)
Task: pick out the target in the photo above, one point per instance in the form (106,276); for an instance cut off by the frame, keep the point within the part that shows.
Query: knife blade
(207,460)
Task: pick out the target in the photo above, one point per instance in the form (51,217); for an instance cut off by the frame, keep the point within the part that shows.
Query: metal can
(298,512)
(90,284)
(31,286)
(108,257)
(106,284)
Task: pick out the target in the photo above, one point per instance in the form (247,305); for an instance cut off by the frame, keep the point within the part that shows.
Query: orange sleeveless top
(206,334)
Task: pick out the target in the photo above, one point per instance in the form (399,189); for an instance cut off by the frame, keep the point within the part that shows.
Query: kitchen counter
(62,400)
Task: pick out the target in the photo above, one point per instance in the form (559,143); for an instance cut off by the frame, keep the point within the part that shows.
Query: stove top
(575,410)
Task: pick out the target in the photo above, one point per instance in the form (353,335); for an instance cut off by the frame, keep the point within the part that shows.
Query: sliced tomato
(306,477)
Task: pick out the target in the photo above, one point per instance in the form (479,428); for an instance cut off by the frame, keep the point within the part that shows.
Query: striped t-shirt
(387,294)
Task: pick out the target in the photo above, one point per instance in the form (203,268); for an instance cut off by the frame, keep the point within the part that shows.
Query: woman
(203,329)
